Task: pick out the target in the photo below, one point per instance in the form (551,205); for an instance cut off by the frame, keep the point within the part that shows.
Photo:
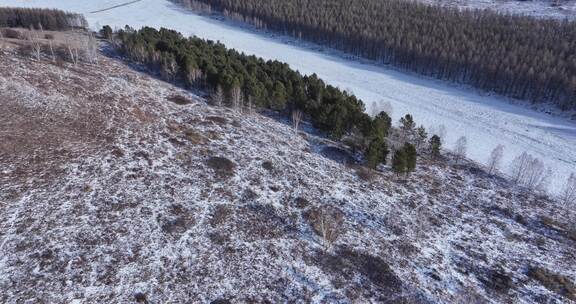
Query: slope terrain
(119,188)
(485,120)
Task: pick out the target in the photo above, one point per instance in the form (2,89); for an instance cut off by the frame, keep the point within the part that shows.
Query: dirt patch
(554,282)
(222,166)
(179,100)
(347,265)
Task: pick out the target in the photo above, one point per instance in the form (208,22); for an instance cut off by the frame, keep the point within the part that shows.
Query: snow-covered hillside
(558,9)
(486,120)
(119,188)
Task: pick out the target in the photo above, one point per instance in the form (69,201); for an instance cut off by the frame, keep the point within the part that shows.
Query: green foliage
(399,162)
(435,145)
(279,97)
(380,126)
(47,19)
(376,153)
(106,32)
(485,49)
(404,160)
(411,156)
(270,84)
(407,125)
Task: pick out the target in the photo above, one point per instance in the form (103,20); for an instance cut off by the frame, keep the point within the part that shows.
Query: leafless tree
(440,131)
(90,48)
(250,105)
(193,76)
(380,106)
(327,223)
(519,167)
(35,42)
(296,119)
(218,97)
(72,50)
(495,159)
(460,149)
(569,192)
(236,95)
(169,68)
(530,172)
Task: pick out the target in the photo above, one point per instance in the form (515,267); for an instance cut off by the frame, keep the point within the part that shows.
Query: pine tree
(407,126)
(435,145)
(421,136)
(411,156)
(376,153)
(399,164)
(278,101)
(381,125)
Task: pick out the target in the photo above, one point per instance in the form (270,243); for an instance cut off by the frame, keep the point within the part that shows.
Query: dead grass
(557,283)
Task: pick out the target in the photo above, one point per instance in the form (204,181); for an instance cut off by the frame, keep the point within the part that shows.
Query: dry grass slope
(116,187)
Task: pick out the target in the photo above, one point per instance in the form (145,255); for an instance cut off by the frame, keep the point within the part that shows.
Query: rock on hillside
(116,187)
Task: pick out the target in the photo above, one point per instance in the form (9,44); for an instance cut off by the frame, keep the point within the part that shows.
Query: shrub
(222,166)
(11,33)
(554,282)
(326,223)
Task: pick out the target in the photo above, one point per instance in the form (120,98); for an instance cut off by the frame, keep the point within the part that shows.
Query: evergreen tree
(278,100)
(411,156)
(428,39)
(381,125)
(421,136)
(407,126)
(435,145)
(399,162)
(377,153)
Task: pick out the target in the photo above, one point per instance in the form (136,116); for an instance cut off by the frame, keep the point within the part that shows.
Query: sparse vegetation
(562,285)
(222,166)
(327,223)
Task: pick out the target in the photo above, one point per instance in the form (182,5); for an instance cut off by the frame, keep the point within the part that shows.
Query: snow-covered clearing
(562,9)
(486,120)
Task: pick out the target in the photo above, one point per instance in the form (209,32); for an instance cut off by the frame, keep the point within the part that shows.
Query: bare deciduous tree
(495,159)
(52,54)
(569,192)
(296,119)
(218,97)
(72,50)
(236,95)
(90,45)
(440,131)
(530,172)
(380,106)
(250,104)
(460,149)
(327,223)
(35,42)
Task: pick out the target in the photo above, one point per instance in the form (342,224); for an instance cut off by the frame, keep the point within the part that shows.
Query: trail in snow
(113,7)
(486,120)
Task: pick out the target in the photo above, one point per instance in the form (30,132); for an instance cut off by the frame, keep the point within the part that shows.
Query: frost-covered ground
(486,120)
(559,9)
(109,193)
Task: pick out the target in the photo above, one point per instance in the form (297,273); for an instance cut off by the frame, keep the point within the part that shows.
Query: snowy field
(485,120)
(563,9)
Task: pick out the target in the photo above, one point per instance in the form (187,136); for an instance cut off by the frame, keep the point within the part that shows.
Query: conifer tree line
(516,56)
(247,82)
(38,18)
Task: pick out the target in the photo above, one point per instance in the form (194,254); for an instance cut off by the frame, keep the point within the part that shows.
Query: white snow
(486,120)
(565,9)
